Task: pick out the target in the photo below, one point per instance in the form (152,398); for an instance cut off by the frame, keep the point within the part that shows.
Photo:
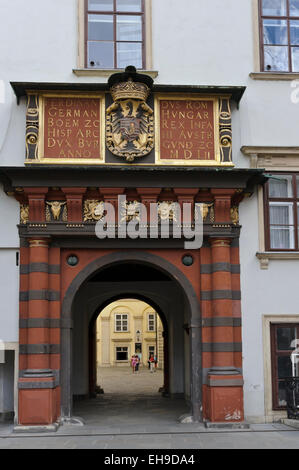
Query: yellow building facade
(127,327)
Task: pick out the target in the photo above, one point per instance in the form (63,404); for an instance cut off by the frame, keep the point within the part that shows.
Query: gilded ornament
(204,210)
(24,214)
(130,211)
(167,210)
(93,210)
(129,120)
(54,208)
(234,214)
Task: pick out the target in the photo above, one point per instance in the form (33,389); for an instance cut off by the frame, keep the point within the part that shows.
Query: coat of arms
(130,120)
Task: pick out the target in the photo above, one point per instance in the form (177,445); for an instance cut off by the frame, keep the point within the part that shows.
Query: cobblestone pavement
(121,380)
(131,414)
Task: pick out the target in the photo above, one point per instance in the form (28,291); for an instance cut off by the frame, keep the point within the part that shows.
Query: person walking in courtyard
(137,364)
(133,363)
(152,363)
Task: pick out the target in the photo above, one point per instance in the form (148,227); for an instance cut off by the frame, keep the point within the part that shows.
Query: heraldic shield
(130,120)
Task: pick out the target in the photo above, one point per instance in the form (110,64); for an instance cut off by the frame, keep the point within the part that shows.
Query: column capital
(220,242)
(39,242)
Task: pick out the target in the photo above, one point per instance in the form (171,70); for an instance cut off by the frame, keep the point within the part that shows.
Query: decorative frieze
(24,213)
(167,211)
(56,211)
(93,210)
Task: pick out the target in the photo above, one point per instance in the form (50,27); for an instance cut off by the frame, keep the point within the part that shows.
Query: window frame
(274,355)
(114,13)
(122,330)
(148,322)
(295,203)
(127,351)
(287,18)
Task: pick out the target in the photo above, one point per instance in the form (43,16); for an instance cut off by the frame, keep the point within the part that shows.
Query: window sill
(108,72)
(276,255)
(286,76)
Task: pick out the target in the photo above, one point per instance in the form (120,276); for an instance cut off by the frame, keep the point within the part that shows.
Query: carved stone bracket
(32,127)
(225,130)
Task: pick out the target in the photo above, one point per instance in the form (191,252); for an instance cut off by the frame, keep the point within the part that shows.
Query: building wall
(108,339)
(217,44)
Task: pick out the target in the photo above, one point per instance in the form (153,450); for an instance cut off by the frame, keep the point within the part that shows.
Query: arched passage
(92,339)
(182,287)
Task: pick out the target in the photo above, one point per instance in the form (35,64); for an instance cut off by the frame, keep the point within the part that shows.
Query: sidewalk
(131,414)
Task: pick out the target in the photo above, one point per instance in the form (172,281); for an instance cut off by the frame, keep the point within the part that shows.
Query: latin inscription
(187,130)
(72,128)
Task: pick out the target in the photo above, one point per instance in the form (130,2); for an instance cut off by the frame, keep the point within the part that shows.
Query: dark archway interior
(92,335)
(136,275)
(129,272)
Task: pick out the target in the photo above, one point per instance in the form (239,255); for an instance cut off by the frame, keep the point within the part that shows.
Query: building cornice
(274,76)
(265,257)
(107,72)
(21,89)
(272,158)
(129,176)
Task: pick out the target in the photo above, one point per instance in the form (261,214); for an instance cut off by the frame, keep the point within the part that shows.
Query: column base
(224,398)
(32,429)
(228,426)
(72,421)
(188,419)
(37,401)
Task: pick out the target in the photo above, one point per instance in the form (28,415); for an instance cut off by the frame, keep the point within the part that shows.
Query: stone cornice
(131,176)
(273,158)
(107,72)
(265,257)
(274,76)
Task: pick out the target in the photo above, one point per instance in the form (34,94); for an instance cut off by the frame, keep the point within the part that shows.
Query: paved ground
(123,381)
(131,414)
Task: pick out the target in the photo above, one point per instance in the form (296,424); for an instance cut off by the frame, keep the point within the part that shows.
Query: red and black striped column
(37,384)
(222,332)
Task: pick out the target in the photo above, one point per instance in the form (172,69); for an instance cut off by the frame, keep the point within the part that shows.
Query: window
(284,341)
(151,351)
(114,33)
(122,353)
(282,212)
(280,35)
(151,323)
(121,322)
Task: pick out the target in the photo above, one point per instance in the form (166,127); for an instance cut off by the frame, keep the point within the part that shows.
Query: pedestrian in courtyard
(152,363)
(133,363)
(137,364)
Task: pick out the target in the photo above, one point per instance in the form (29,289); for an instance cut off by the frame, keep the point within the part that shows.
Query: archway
(155,343)
(187,307)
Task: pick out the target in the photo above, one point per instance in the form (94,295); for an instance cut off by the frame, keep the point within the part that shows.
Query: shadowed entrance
(161,290)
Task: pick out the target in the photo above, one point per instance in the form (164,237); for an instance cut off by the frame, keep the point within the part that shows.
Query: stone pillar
(196,371)
(149,196)
(37,398)
(74,197)
(186,196)
(111,197)
(225,383)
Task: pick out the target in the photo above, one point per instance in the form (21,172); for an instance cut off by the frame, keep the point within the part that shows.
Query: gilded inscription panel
(71,129)
(188,130)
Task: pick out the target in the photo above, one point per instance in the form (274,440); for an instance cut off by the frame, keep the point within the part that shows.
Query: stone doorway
(160,289)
